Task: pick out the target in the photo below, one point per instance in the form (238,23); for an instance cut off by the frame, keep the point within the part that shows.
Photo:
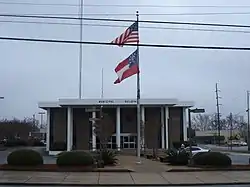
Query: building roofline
(185,104)
(46,105)
(111,101)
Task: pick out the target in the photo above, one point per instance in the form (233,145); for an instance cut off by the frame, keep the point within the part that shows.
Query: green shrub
(175,157)
(212,159)
(74,158)
(108,157)
(24,157)
(198,155)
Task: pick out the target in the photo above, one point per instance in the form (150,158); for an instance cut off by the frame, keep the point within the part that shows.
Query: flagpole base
(138,162)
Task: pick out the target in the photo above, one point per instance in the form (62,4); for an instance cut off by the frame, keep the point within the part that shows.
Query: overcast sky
(33,72)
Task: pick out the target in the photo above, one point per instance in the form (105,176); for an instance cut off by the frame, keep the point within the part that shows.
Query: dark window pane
(125,145)
(132,145)
(113,138)
(131,138)
(109,139)
(195,149)
(125,138)
(113,145)
(122,141)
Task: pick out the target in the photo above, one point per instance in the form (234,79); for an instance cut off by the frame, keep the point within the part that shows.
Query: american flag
(131,35)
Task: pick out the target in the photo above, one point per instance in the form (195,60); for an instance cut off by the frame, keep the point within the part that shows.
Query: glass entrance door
(128,141)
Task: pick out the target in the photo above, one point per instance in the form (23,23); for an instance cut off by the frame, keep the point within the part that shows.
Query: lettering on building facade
(106,101)
(130,101)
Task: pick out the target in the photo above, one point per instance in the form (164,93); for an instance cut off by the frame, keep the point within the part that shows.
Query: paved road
(133,185)
(226,148)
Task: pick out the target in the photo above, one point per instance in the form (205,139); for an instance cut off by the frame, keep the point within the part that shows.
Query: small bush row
(212,159)
(28,157)
(181,157)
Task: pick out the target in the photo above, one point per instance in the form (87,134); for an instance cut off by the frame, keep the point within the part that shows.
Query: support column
(118,128)
(69,128)
(93,132)
(162,129)
(166,126)
(184,124)
(143,127)
(48,130)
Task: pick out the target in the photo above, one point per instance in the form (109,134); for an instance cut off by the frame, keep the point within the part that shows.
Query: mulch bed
(55,168)
(212,168)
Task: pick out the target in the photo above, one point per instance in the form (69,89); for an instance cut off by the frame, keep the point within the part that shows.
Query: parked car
(196,149)
(236,143)
(242,143)
(43,141)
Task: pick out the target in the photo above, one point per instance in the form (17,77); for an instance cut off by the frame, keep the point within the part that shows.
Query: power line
(123,20)
(125,6)
(125,26)
(111,44)
(147,14)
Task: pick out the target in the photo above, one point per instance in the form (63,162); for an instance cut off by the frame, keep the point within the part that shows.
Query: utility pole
(218,110)
(231,130)
(248,128)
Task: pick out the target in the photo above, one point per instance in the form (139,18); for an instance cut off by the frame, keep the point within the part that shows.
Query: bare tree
(202,122)
(14,128)
(104,129)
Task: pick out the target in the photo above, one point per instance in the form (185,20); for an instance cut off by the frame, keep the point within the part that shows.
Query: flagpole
(102,89)
(138,100)
(80,49)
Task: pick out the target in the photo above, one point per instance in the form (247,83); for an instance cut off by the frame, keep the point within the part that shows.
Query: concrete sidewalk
(133,178)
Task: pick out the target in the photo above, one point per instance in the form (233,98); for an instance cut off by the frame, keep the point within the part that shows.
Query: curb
(64,184)
(204,170)
(100,170)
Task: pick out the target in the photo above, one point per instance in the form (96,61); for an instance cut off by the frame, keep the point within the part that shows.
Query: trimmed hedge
(25,157)
(74,158)
(212,159)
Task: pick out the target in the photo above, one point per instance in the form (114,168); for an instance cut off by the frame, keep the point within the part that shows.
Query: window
(126,139)
(132,145)
(193,149)
(125,145)
(132,139)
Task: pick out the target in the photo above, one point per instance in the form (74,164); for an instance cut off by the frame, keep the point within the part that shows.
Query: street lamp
(196,110)
(41,114)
